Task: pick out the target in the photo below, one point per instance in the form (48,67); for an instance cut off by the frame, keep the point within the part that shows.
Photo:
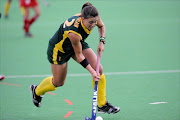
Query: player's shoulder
(75,17)
(72,23)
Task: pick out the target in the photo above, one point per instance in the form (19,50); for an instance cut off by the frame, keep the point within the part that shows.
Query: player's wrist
(102,39)
(92,71)
(84,63)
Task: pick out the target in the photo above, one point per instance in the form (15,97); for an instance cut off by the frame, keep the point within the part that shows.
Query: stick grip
(97,65)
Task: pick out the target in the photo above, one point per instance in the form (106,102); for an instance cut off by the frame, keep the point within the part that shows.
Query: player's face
(90,22)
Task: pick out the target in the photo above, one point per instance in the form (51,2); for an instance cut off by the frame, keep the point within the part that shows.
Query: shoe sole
(101,112)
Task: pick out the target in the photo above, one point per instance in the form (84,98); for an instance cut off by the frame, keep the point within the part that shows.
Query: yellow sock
(23,10)
(45,86)
(7,8)
(101,90)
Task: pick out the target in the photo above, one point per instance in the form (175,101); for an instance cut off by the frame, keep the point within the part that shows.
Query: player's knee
(61,84)
(58,84)
(38,14)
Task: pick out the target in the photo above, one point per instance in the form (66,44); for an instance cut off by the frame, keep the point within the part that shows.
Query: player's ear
(82,18)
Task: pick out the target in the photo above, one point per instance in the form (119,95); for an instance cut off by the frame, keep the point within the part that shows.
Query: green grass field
(141,61)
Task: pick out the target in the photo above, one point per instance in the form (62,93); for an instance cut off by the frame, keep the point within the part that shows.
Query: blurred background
(141,61)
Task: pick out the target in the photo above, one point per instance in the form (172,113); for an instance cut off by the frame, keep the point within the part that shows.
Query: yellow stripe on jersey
(85,29)
(59,46)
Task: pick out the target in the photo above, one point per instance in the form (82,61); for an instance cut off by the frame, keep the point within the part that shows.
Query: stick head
(87,118)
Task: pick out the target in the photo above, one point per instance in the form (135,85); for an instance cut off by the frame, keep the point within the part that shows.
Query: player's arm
(76,44)
(75,41)
(101,30)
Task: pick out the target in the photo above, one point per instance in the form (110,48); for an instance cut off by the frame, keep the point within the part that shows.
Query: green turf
(141,35)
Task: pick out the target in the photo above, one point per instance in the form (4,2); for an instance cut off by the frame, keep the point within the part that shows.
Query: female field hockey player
(27,4)
(69,42)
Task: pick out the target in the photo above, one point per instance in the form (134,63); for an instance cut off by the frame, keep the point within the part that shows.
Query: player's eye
(91,22)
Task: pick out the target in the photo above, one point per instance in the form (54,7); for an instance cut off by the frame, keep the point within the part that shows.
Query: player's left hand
(100,48)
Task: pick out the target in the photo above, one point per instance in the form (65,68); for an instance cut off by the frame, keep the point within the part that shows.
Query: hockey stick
(95,94)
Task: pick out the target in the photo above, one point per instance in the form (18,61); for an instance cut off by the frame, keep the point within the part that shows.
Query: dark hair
(89,11)
(86,4)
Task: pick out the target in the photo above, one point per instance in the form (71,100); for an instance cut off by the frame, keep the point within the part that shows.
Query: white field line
(88,74)
(157,103)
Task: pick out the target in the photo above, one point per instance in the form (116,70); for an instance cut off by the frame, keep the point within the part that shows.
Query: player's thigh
(27,12)
(36,10)
(92,58)
(59,74)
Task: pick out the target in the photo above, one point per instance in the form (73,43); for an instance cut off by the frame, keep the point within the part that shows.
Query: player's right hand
(95,76)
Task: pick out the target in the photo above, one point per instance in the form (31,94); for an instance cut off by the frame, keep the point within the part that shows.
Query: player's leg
(7,8)
(59,75)
(37,13)
(92,59)
(50,83)
(24,4)
(103,105)
(26,22)
(22,11)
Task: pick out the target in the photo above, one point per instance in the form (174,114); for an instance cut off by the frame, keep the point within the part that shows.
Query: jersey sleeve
(72,25)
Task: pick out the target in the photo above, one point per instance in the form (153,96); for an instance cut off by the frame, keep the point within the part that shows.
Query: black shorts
(61,58)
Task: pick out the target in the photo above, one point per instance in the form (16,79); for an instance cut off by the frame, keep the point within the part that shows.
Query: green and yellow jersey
(60,48)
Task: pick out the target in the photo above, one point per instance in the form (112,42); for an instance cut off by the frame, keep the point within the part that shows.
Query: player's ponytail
(89,11)
(86,4)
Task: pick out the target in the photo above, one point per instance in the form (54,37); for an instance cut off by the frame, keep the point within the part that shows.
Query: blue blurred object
(87,118)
